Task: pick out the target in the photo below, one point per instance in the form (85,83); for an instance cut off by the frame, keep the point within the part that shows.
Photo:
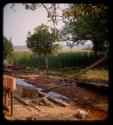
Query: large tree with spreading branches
(88,22)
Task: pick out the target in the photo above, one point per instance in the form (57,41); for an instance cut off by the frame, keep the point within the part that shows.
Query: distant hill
(21,48)
(63,45)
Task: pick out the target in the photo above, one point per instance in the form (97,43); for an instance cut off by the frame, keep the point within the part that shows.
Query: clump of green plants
(59,60)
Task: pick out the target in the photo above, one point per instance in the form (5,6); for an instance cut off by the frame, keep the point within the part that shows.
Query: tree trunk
(95,47)
(95,55)
(90,67)
(46,65)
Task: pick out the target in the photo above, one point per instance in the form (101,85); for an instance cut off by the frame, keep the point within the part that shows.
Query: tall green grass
(60,60)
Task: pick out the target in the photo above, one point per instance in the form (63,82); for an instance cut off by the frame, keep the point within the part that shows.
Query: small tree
(42,42)
(7,48)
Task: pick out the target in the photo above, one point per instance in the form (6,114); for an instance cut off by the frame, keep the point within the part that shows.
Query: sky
(17,24)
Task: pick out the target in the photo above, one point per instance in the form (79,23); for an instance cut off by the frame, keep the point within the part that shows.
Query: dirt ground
(95,104)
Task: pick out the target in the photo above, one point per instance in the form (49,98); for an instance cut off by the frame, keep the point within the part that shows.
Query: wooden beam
(49,89)
(90,67)
(35,107)
(22,100)
(6,99)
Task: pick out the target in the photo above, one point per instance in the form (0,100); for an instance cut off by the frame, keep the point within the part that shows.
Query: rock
(46,102)
(27,68)
(75,100)
(43,102)
(36,70)
(32,117)
(81,114)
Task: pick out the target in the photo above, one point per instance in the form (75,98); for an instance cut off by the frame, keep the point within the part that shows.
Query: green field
(59,60)
(64,64)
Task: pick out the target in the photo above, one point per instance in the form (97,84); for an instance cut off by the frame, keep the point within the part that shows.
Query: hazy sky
(18,23)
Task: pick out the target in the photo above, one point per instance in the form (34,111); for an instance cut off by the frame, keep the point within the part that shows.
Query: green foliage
(60,60)
(89,22)
(7,48)
(41,41)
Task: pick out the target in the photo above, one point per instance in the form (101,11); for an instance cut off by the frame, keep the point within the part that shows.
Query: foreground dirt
(50,113)
(95,104)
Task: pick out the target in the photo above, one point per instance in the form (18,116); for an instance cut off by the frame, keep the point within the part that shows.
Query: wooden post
(6,99)
(11,103)
(9,84)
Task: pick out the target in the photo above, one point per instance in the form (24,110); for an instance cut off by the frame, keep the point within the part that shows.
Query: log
(35,107)
(6,99)
(49,89)
(90,67)
(59,102)
(27,108)
(100,88)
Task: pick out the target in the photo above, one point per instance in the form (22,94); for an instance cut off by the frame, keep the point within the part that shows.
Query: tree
(42,42)
(88,22)
(7,48)
(83,21)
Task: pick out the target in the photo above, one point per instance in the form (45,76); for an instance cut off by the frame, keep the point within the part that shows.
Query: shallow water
(23,83)
(39,90)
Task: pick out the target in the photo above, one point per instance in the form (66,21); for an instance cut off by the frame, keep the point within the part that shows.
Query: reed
(59,60)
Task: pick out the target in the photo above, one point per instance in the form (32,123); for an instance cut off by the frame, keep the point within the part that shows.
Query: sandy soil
(95,104)
(50,113)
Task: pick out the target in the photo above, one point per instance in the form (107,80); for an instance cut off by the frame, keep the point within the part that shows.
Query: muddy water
(50,94)
(23,83)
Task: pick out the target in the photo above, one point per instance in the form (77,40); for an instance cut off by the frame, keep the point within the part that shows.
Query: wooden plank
(49,89)
(6,99)
(27,108)
(35,107)
(22,100)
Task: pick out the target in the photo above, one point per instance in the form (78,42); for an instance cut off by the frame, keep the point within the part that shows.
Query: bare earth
(95,104)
